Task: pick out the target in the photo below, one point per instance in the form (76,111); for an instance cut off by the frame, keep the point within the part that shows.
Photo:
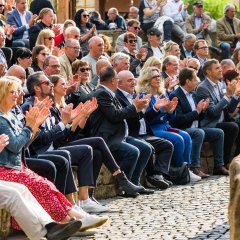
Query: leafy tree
(214,7)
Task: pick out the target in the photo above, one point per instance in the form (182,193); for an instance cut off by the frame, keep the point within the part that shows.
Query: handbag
(179,175)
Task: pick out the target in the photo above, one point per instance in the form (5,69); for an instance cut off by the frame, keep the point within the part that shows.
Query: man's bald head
(102,63)
(17,71)
(126,81)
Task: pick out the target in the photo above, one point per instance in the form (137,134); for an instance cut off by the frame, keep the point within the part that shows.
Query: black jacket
(108,120)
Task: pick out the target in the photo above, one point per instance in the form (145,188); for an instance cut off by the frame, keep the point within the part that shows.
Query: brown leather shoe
(220,170)
(199,173)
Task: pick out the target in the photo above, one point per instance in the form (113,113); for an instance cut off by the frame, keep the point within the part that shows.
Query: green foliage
(214,7)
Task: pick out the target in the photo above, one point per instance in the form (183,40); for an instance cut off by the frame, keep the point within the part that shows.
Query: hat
(153,31)
(198,3)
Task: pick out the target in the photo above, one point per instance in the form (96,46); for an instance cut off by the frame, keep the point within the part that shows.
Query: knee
(225,46)
(168,23)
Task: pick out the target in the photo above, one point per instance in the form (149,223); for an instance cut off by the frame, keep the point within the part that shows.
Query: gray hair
(71,30)
(71,41)
(189,36)
(226,63)
(117,57)
(227,7)
(92,40)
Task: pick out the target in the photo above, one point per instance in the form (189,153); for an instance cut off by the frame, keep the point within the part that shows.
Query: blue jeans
(197,135)
(132,156)
(212,135)
(226,50)
(182,145)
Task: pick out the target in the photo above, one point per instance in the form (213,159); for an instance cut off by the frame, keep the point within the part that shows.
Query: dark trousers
(231,130)
(81,156)
(163,150)
(43,168)
(100,154)
(62,161)
(132,156)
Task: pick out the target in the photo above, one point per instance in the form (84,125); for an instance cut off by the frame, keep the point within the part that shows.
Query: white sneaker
(92,221)
(92,207)
(194,177)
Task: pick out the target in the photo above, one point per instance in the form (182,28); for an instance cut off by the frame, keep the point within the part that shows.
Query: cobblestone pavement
(195,212)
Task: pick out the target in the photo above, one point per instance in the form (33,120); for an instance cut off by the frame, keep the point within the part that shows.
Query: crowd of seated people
(67,100)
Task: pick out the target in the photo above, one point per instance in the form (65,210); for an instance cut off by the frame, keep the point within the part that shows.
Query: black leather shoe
(156,181)
(125,187)
(146,191)
(57,231)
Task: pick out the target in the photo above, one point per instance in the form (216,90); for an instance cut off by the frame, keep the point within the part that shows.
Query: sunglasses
(85,15)
(156,77)
(44,54)
(199,6)
(46,83)
(84,69)
(132,41)
(1,5)
(49,38)
(193,68)
(137,28)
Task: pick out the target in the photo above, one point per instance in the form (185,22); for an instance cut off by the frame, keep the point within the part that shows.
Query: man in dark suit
(109,122)
(186,47)
(22,20)
(220,106)
(188,114)
(138,128)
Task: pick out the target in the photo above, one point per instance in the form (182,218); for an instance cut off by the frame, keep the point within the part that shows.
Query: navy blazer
(107,121)
(13,19)
(133,123)
(182,56)
(184,114)
(215,108)
(48,135)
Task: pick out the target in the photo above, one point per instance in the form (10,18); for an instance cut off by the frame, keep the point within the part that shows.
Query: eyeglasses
(49,38)
(137,28)
(85,15)
(156,77)
(132,41)
(193,68)
(28,57)
(44,54)
(1,5)
(203,47)
(199,6)
(54,66)
(48,83)
(84,69)
(157,35)
(75,48)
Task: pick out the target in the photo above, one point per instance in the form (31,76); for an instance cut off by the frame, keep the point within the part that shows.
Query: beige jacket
(66,67)
(191,28)
(225,32)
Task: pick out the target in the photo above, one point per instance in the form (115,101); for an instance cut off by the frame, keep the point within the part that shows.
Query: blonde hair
(42,13)
(6,83)
(145,78)
(152,62)
(42,35)
(167,48)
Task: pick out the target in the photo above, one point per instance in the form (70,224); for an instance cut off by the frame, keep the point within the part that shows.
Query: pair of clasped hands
(40,111)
